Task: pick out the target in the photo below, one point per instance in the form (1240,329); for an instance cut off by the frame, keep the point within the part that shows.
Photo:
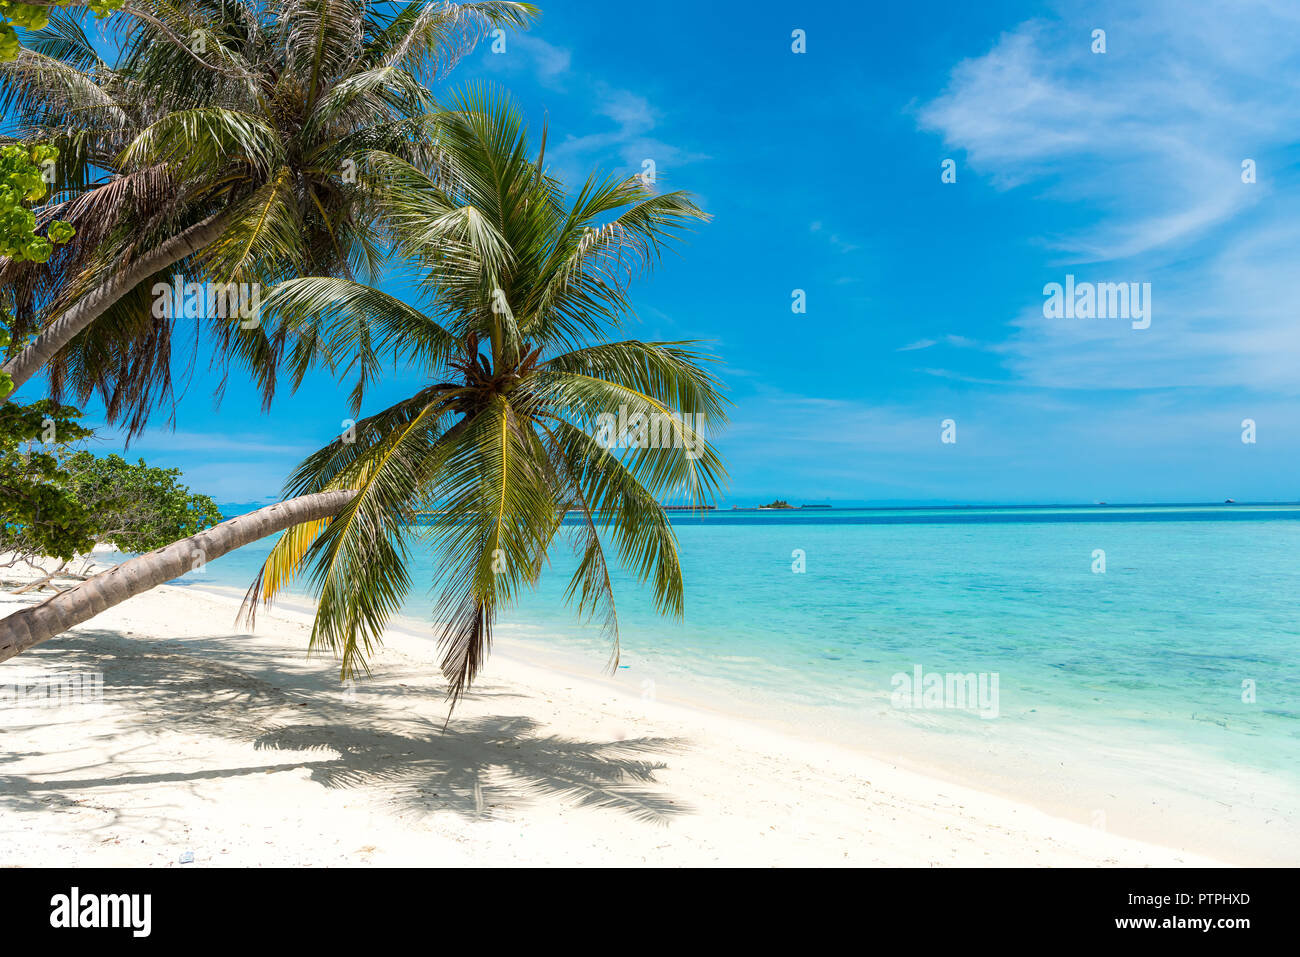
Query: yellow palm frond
(285,560)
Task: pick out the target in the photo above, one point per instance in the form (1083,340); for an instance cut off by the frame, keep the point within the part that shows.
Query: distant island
(779,503)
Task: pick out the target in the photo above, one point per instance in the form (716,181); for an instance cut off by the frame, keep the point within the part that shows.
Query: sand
(212,746)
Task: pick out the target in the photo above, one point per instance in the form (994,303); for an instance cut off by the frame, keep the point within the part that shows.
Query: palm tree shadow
(476,767)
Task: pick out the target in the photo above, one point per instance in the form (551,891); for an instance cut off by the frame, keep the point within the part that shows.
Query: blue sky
(924,299)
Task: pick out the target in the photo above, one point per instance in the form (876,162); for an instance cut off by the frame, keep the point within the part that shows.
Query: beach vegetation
(519,335)
(41,515)
(230,142)
(60,501)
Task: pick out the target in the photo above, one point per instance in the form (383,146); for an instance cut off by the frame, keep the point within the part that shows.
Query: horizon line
(718,506)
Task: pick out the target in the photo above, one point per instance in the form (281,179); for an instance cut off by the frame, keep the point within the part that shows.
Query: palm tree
(227,141)
(527,292)
(28,627)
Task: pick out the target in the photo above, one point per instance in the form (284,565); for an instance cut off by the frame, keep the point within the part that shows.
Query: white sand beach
(238,750)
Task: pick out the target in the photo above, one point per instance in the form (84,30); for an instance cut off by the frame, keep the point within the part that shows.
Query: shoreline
(1231,813)
(538,765)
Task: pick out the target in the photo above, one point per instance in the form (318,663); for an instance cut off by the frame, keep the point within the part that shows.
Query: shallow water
(1124,697)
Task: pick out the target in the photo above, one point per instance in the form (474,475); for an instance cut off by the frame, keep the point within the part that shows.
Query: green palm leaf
(266,115)
(524,290)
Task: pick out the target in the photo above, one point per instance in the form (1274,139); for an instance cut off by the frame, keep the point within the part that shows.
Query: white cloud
(163,441)
(1016,444)
(631,140)
(548,63)
(1149,138)
(957,342)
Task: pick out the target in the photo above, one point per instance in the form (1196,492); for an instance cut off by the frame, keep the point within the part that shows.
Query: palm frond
(620,501)
(263,237)
(672,455)
(499,512)
(347,326)
(193,142)
(511,433)
(358,562)
(431,38)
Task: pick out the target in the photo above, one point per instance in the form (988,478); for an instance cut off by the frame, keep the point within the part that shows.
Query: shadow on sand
(226,687)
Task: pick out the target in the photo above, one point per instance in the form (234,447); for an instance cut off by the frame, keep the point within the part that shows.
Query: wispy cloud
(1149,133)
(209,442)
(835,239)
(1143,146)
(893,450)
(958,342)
(632,138)
(549,61)
(527,52)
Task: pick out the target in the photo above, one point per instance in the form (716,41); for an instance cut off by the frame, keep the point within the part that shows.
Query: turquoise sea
(1159,697)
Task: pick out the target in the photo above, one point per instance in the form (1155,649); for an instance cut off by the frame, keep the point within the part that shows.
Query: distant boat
(1229,501)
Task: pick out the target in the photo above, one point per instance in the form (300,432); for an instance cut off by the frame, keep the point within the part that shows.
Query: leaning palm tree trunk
(86,310)
(29,627)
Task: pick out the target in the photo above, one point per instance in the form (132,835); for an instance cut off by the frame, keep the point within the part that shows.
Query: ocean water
(1159,697)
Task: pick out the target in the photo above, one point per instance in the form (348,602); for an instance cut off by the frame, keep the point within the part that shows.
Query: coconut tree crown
(239,125)
(527,292)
